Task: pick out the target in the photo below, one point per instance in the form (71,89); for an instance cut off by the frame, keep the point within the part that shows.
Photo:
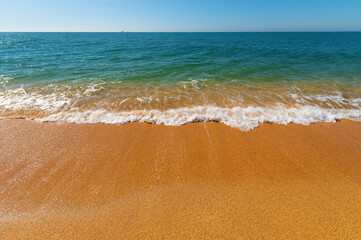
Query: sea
(239,79)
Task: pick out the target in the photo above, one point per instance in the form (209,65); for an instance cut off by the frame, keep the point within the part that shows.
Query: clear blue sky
(180,15)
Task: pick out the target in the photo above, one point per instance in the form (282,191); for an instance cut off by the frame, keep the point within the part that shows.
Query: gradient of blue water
(240,79)
(27,58)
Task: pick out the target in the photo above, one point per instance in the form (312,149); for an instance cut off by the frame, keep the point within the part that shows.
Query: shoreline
(199,180)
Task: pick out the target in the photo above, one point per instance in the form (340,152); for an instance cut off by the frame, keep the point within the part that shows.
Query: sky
(179,15)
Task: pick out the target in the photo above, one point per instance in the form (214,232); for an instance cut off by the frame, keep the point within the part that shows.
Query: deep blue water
(48,57)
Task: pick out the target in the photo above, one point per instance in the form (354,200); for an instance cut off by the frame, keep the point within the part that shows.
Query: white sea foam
(19,99)
(242,118)
(99,103)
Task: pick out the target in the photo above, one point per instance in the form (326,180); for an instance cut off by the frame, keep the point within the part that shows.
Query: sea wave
(243,118)
(237,105)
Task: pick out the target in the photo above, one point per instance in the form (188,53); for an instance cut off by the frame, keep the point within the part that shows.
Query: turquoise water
(240,79)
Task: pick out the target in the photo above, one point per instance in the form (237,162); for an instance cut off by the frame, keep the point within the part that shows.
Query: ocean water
(240,79)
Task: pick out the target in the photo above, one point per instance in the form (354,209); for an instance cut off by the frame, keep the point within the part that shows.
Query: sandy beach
(197,181)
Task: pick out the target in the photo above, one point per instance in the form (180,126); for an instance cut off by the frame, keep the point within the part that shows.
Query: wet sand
(197,181)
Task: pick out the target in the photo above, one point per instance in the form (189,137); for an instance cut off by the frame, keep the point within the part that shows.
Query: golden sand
(198,181)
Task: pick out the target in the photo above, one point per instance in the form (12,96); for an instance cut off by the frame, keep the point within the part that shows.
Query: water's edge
(244,119)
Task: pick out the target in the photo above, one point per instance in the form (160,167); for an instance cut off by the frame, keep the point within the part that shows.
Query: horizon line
(291,31)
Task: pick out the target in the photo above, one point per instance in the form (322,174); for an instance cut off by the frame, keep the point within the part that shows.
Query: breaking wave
(242,118)
(236,105)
